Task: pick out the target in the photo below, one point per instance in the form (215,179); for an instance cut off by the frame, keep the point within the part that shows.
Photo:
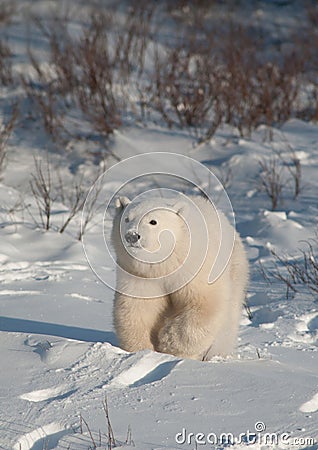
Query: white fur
(198,320)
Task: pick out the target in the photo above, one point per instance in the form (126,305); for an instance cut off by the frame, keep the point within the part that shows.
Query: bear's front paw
(170,340)
(183,338)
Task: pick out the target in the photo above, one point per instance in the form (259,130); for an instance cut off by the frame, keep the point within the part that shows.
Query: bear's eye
(153,222)
(126,219)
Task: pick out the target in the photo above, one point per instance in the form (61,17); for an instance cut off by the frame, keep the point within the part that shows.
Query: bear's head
(149,232)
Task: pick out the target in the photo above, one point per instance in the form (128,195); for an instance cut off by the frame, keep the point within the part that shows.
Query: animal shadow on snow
(64,331)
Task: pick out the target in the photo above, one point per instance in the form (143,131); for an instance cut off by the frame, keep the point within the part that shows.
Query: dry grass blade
(83,421)
(129,439)
(110,433)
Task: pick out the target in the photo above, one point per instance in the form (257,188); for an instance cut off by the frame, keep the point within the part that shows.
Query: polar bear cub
(167,255)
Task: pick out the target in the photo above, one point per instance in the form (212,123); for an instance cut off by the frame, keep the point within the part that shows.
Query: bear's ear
(121,202)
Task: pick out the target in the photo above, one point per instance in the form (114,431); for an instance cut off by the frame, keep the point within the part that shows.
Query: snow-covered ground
(58,350)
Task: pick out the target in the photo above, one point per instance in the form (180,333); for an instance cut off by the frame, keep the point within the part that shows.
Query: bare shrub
(5,132)
(225,175)
(6,76)
(306,45)
(217,76)
(95,91)
(90,207)
(48,188)
(272,180)
(293,165)
(47,105)
(7,10)
(182,87)
(307,40)
(275,90)
(89,72)
(312,14)
(205,76)
(273,176)
(298,272)
(74,199)
(310,112)
(42,190)
(295,171)
(187,77)
(238,63)
(258,89)
(133,38)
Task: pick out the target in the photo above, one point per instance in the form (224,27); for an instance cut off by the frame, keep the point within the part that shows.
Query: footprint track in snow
(36,270)
(147,369)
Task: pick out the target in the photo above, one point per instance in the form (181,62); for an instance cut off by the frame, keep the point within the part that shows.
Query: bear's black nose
(132,237)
